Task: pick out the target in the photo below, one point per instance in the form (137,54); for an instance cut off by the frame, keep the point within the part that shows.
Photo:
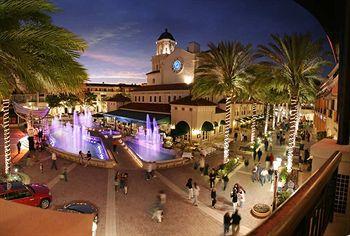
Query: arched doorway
(207,127)
(182,128)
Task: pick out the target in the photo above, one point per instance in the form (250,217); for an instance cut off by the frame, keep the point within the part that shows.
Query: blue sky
(122,33)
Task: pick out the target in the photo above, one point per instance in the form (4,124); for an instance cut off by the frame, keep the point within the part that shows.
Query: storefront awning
(136,116)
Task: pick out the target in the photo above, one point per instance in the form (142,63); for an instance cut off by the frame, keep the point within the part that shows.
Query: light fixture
(188,79)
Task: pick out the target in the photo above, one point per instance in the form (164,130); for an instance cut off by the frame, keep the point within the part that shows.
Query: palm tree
(35,55)
(222,72)
(296,61)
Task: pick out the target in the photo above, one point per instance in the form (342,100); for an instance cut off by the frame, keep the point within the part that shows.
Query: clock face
(177,66)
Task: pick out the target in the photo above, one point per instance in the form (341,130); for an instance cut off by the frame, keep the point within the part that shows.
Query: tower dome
(166,35)
(166,43)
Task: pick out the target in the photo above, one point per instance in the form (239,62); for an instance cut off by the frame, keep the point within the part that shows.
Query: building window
(150,98)
(160,99)
(175,108)
(135,98)
(154,81)
(183,109)
(169,98)
(143,98)
(174,98)
(139,98)
(190,109)
(179,97)
(155,98)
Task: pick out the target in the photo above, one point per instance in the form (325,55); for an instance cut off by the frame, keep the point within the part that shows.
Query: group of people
(193,191)
(84,158)
(232,220)
(261,174)
(237,196)
(121,182)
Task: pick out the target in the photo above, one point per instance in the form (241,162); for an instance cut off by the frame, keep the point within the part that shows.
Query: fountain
(148,144)
(76,137)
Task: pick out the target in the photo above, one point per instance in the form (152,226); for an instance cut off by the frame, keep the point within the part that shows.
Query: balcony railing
(309,210)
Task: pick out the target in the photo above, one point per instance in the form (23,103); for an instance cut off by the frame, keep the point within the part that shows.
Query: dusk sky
(121,33)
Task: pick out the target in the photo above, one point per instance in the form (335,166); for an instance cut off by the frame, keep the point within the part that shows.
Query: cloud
(118,74)
(116,60)
(119,33)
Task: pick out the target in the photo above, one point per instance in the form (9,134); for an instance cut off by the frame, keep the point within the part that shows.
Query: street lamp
(276,164)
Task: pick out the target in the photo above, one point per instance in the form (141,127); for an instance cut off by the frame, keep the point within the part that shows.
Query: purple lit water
(75,137)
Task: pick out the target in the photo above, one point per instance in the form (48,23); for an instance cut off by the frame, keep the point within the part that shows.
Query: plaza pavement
(131,214)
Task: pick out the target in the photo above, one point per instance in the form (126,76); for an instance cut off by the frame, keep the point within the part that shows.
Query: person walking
(263,175)
(81,157)
(213,197)
(259,154)
(267,161)
(125,183)
(235,220)
(88,158)
(227,222)
(189,188)
(19,144)
(117,181)
(254,155)
(225,179)
(196,190)
(241,198)
(65,174)
(53,159)
(270,174)
(41,168)
(234,199)
(254,173)
(266,144)
(212,177)
(162,198)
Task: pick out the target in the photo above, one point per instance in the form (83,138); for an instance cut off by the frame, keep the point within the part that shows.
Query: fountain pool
(147,144)
(75,137)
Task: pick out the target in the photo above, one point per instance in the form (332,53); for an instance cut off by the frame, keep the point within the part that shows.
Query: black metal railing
(309,210)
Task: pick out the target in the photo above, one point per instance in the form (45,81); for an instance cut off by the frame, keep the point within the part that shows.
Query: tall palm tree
(222,72)
(35,55)
(296,61)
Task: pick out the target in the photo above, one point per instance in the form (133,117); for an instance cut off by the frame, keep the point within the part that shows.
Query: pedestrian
(88,158)
(227,222)
(234,199)
(259,154)
(81,157)
(53,159)
(65,174)
(41,168)
(40,134)
(241,198)
(213,197)
(212,177)
(162,198)
(270,174)
(266,144)
(125,183)
(254,155)
(122,181)
(306,155)
(246,161)
(158,214)
(235,220)
(263,175)
(239,187)
(196,190)
(201,164)
(19,144)
(254,173)
(272,158)
(189,188)
(149,171)
(225,179)
(267,161)
(117,181)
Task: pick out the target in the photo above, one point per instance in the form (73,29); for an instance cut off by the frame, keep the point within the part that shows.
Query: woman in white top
(196,190)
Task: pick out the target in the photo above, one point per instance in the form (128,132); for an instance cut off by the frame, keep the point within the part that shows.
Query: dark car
(82,207)
(34,194)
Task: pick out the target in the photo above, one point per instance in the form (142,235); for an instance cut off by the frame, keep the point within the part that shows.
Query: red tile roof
(118,98)
(147,107)
(153,72)
(196,102)
(159,87)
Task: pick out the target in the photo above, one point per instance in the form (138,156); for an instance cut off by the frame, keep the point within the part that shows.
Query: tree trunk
(297,122)
(6,126)
(227,129)
(280,107)
(267,118)
(252,137)
(274,116)
(292,129)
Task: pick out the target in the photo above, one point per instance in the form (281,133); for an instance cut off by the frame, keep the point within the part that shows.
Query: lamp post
(276,164)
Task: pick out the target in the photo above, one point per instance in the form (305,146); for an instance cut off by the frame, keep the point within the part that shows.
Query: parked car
(82,207)
(34,194)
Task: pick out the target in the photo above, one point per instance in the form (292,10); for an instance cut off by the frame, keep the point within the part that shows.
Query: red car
(38,195)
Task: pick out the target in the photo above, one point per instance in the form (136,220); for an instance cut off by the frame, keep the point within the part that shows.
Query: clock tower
(166,43)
